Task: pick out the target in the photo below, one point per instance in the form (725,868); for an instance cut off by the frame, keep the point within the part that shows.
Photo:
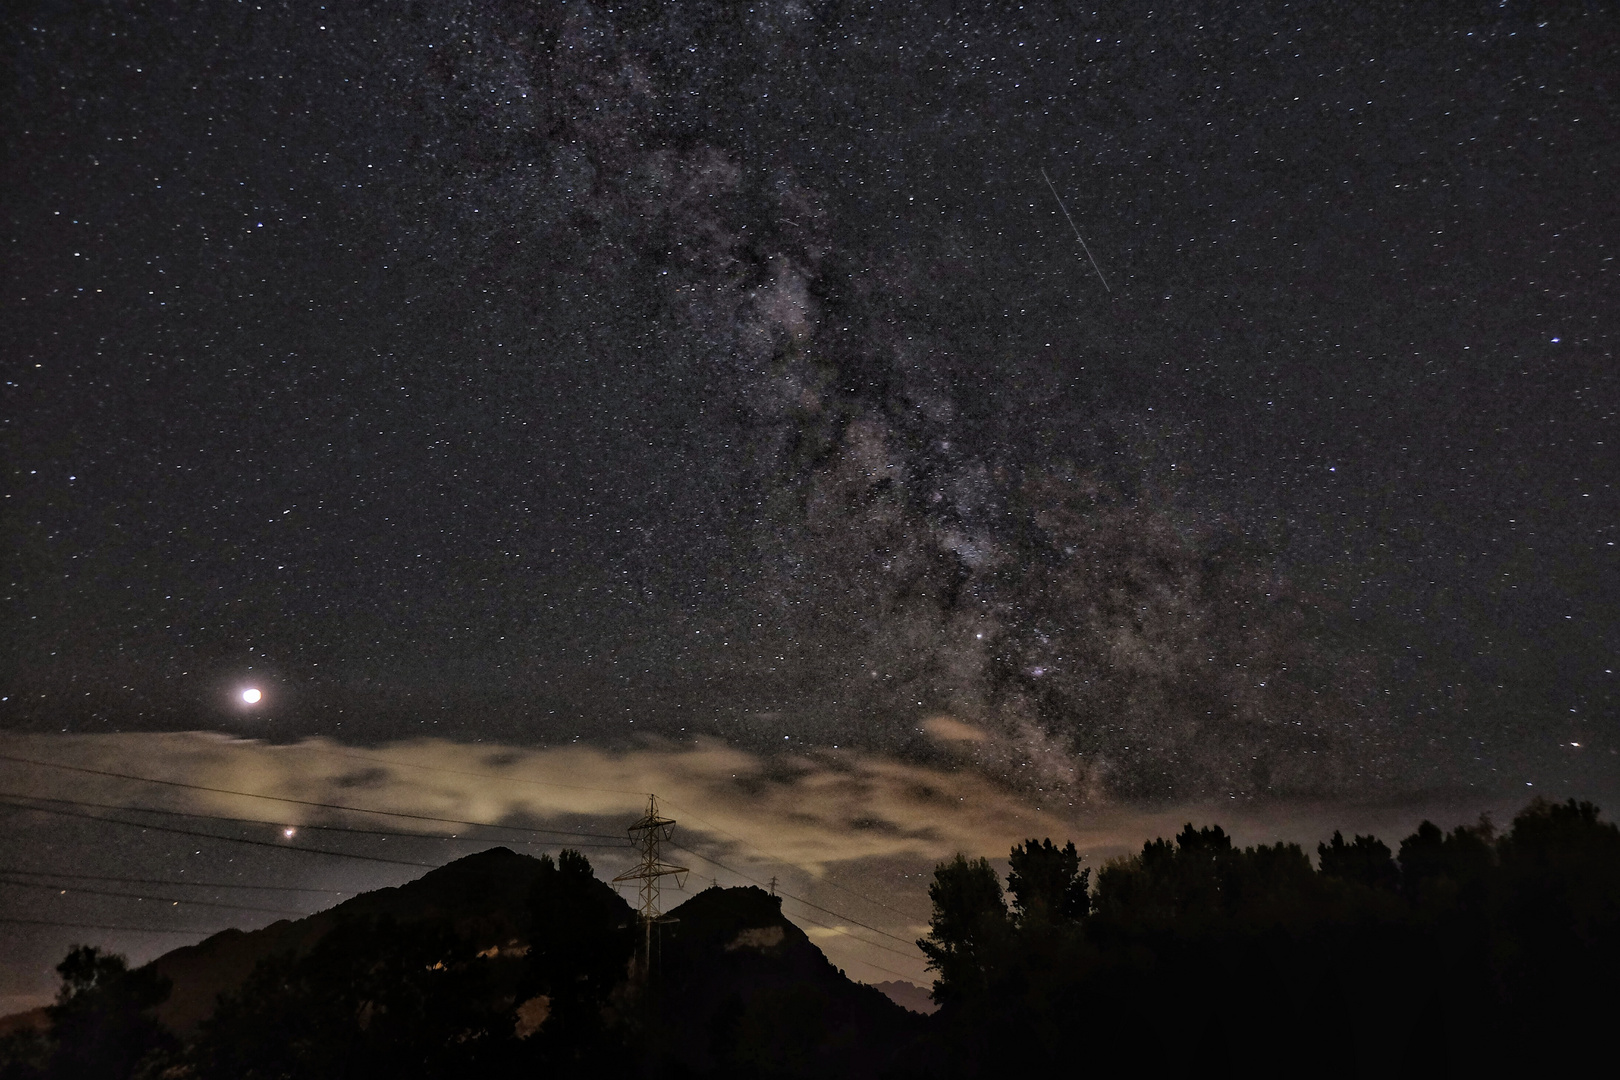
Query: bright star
(251,695)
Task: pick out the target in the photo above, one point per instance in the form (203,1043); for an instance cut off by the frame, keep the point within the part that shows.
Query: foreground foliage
(101,1024)
(1463,953)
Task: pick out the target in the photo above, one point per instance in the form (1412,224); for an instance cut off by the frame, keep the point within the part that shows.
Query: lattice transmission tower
(647,834)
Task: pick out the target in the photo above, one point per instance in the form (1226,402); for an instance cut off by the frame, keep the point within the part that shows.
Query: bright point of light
(289,832)
(251,696)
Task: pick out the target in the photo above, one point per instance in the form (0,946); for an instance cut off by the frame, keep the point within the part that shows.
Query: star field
(562,372)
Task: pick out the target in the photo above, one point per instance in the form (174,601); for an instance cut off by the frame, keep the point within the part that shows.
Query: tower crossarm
(646,871)
(651,822)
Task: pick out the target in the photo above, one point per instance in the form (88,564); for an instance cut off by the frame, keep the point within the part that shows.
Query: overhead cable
(13,871)
(105,926)
(324,828)
(807,903)
(79,890)
(289,801)
(216,836)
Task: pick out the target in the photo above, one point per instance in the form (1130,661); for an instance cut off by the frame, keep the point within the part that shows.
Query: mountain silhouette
(908,995)
(485,896)
(1473,952)
(732,987)
(741,990)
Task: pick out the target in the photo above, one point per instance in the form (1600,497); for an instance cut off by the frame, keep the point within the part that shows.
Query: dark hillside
(495,965)
(485,896)
(1464,953)
(741,991)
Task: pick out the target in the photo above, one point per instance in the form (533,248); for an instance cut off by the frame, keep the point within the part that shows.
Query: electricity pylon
(646,835)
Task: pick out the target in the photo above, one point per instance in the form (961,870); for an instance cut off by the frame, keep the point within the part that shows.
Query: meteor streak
(1076,229)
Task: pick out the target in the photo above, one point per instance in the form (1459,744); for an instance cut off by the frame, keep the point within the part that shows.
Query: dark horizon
(1474,950)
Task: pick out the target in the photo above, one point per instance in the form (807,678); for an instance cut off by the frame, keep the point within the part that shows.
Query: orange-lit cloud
(856,835)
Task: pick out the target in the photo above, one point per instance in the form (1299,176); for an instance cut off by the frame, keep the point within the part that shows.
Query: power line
(448,821)
(550,783)
(80,890)
(841,931)
(862,960)
(103,926)
(386,813)
(787,862)
(338,854)
(216,836)
(800,899)
(284,799)
(451,821)
(324,828)
(279,846)
(685,810)
(818,907)
(581,787)
(14,872)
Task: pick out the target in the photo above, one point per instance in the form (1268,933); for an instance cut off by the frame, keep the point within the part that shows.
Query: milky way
(559,372)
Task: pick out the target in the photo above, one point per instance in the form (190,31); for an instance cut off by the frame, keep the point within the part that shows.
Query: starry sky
(704,374)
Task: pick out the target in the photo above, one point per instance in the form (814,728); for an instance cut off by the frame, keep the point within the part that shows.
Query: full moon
(251,696)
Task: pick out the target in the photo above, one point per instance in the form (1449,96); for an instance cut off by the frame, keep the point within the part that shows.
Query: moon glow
(251,696)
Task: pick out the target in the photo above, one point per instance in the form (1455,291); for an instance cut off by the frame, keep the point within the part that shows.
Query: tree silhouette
(968,932)
(1047,884)
(1469,954)
(372,998)
(1441,869)
(1555,913)
(1366,860)
(581,942)
(100,1026)
(379,998)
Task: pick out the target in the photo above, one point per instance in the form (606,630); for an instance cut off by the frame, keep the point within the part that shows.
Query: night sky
(708,375)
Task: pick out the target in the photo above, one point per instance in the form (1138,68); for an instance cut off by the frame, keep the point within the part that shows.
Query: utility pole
(646,834)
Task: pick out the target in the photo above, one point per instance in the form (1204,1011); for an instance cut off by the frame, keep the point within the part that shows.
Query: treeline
(1461,953)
